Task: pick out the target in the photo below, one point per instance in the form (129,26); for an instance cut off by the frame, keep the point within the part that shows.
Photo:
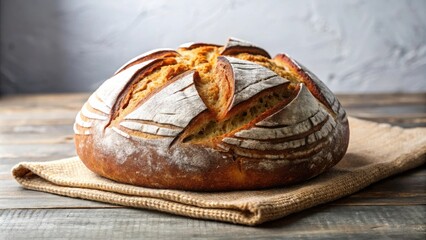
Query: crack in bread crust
(203,58)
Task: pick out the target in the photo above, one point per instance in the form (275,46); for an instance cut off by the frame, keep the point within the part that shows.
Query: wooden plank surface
(324,222)
(39,128)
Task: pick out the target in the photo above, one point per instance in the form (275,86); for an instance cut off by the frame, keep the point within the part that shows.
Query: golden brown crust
(211,118)
(295,69)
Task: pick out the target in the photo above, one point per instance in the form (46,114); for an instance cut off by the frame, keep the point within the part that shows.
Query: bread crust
(265,129)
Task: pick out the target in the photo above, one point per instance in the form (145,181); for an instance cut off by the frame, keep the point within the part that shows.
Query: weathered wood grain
(383,99)
(36,134)
(337,222)
(28,151)
(13,196)
(397,115)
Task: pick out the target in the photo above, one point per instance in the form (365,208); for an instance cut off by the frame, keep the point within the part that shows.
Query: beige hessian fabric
(376,151)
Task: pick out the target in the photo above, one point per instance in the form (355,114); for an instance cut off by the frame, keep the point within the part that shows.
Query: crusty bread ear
(235,46)
(209,118)
(193,45)
(314,84)
(153,54)
(246,79)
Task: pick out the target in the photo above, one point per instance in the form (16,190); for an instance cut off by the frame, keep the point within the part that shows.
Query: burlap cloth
(376,151)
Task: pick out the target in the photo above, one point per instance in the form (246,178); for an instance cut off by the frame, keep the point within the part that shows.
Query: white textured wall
(354,46)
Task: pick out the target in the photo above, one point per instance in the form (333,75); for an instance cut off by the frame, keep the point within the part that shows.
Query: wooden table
(39,128)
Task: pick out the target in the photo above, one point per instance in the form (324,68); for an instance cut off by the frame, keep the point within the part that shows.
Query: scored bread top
(232,98)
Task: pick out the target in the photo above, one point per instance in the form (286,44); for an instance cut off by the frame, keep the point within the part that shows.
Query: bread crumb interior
(214,91)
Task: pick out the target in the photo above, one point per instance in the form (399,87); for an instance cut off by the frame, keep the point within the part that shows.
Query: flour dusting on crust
(170,118)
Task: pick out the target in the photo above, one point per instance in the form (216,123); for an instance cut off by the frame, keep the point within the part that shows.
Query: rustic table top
(39,128)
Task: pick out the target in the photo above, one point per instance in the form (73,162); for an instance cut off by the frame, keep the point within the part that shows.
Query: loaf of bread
(207,117)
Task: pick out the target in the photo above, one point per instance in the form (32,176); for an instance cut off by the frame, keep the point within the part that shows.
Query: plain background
(354,46)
